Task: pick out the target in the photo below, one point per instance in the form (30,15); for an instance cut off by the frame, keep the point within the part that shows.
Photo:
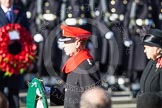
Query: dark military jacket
(84,77)
(151,80)
(139,13)
(45,16)
(109,15)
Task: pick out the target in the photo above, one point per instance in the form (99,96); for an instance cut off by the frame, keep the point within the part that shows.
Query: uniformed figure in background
(100,45)
(139,13)
(115,14)
(109,15)
(44,16)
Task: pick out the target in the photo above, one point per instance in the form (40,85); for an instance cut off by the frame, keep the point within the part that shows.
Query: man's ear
(78,43)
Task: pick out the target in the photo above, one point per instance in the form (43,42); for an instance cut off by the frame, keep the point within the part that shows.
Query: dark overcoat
(84,77)
(151,80)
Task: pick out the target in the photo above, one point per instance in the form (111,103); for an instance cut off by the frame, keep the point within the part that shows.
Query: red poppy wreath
(17,49)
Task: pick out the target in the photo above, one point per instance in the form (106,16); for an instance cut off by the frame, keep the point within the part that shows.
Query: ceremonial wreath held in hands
(17,61)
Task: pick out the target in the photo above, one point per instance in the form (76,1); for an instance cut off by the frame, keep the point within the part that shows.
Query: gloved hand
(109,35)
(128,43)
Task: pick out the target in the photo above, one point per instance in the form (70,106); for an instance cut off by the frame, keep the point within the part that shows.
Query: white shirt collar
(6,9)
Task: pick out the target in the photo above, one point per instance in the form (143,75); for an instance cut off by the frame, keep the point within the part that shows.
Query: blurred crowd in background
(115,25)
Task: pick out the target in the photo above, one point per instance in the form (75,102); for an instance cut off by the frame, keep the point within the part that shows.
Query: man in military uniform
(44,16)
(109,15)
(100,46)
(80,68)
(75,13)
